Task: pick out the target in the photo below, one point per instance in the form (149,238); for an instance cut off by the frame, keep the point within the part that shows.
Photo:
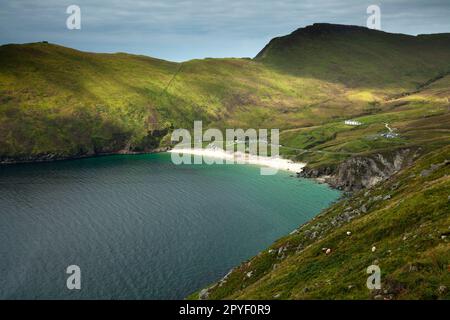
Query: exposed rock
(413,268)
(395,186)
(442,289)
(313,235)
(360,172)
(203,295)
(376,198)
(344,217)
(425,173)
(299,248)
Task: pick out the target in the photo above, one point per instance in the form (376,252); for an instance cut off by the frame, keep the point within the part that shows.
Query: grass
(409,229)
(59,101)
(423,122)
(359,57)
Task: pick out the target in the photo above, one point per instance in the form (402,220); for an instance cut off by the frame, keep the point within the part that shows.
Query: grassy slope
(56,100)
(410,230)
(59,100)
(421,119)
(378,70)
(359,57)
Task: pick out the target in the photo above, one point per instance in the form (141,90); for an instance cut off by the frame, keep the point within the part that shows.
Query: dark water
(138,226)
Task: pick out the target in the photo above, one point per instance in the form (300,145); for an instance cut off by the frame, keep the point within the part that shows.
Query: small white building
(352,123)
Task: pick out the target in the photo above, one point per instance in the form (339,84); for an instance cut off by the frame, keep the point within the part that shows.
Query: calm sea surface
(140,227)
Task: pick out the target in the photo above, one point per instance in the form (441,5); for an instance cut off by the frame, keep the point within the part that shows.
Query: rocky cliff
(361,172)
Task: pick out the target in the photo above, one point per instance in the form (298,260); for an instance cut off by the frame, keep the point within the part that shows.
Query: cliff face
(362,172)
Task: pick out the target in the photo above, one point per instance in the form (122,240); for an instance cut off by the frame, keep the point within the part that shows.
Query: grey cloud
(183,29)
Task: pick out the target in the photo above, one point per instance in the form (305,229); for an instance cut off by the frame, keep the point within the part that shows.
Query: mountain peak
(315,31)
(353,54)
(329,27)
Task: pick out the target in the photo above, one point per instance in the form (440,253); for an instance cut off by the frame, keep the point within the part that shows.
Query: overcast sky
(185,29)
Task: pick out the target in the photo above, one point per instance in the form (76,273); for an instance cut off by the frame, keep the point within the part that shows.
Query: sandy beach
(244,158)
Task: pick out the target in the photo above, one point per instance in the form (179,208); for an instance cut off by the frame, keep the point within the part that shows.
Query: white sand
(244,158)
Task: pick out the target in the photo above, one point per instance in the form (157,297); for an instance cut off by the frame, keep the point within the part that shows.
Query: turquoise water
(140,227)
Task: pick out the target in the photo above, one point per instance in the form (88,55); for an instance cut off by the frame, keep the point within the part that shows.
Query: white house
(352,123)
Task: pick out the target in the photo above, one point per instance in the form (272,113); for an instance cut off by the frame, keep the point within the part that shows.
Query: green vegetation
(358,57)
(423,123)
(405,218)
(57,102)
(62,102)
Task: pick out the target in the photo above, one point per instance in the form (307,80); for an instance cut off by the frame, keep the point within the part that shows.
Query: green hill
(402,225)
(62,102)
(359,57)
(58,102)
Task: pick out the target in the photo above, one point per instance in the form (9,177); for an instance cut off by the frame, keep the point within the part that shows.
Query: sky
(180,30)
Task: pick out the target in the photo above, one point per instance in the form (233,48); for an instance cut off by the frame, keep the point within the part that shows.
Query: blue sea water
(138,226)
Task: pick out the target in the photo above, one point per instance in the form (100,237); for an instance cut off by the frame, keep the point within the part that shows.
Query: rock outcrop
(361,172)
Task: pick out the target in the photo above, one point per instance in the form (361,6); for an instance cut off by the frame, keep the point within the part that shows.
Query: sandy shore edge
(244,158)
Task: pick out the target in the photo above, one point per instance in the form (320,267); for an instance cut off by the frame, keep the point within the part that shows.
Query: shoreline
(238,158)
(277,163)
(244,158)
(50,158)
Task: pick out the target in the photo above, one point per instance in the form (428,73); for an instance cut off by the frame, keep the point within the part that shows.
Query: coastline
(278,163)
(238,157)
(53,158)
(244,158)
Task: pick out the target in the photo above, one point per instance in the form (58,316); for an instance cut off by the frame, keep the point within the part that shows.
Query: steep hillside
(57,102)
(359,57)
(64,102)
(401,225)
(420,120)
(402,208)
